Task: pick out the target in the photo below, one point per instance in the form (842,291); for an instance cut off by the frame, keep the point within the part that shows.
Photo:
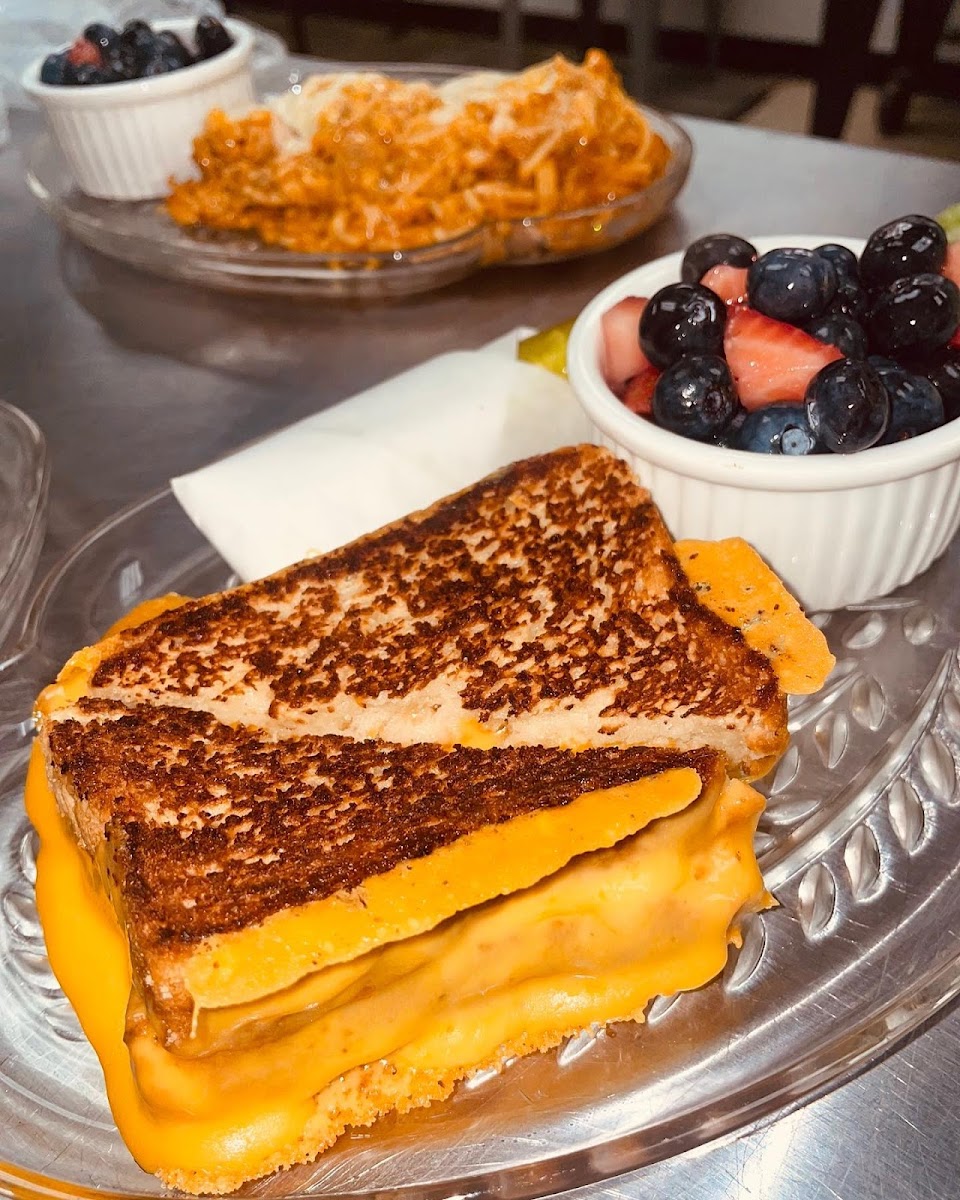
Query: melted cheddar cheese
(237,967)
(73,681)
(732,580)
(280,1079)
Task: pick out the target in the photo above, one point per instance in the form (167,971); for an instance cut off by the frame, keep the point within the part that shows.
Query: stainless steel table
(134,379)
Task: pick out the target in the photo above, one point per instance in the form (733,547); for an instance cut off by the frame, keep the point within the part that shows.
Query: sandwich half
(543,606)
(273,1076)
(219,846)
(317,848)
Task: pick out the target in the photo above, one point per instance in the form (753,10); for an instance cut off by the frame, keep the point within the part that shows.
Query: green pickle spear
(548,348)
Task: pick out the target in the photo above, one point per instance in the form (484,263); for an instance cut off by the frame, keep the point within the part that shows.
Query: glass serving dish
(23,509)
(144,236)
(859,845)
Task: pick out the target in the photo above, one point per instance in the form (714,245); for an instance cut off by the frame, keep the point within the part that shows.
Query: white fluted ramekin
(124,141)
(839,529)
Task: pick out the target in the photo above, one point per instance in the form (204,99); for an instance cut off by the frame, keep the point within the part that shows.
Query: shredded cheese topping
(358,162)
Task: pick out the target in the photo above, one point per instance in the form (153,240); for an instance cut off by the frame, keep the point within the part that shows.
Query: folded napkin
(386,452)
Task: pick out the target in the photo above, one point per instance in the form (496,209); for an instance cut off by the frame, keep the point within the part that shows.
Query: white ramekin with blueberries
(768,386)
(104,54)
(125,104)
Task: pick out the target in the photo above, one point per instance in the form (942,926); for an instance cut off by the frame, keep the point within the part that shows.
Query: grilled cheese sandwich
(312,901)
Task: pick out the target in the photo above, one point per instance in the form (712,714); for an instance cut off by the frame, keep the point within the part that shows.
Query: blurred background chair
(642,23)
(776,63)
(847,28)
(713,92)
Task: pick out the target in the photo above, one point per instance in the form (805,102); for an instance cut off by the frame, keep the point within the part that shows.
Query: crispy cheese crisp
(359,162)
(732,580)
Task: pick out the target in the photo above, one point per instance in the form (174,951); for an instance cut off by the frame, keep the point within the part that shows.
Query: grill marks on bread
(546,585)
(211,828)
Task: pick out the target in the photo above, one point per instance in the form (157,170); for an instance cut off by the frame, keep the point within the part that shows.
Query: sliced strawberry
(638,391)
(83,53)
(730,283)
(622,356)
(770,360)
(951,267)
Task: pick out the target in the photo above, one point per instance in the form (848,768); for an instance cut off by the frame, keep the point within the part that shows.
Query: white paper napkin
(386,452)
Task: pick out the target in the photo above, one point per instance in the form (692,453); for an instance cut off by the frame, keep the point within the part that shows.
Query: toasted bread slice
(218,844)
(543,606)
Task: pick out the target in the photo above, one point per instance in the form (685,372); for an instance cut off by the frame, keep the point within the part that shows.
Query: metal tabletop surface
(134,379)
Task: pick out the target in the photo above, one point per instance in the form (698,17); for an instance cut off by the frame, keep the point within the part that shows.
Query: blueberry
(159,63)
(844,260)
(915,404)
(943,371)
(212,39)
(711,251)
(847,406)
(101,35)
(914,315)
(120,52)
(839,331)
(911,245)
(135,29)
(881,364)
(87,74)
(696,397)
(139,40)
(54,69)
(682,318)
(174,50)
(730,434)
(121,61)
(850,300)
(791,285)
(779,428)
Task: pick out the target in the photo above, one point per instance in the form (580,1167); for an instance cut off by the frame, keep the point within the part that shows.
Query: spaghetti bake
(359,162)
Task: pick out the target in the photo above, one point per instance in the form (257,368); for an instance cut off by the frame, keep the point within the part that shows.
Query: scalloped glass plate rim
(29,519)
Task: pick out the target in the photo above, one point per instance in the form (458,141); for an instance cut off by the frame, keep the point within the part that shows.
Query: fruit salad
(796,351)
(102,54)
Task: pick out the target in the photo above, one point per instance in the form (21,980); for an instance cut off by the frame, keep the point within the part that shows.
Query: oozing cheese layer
(236,968)
(244,966)
(74,678)
(593,943)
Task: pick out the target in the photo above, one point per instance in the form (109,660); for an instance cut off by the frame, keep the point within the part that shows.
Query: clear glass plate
(859,844)
(23,510)
(143,235)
